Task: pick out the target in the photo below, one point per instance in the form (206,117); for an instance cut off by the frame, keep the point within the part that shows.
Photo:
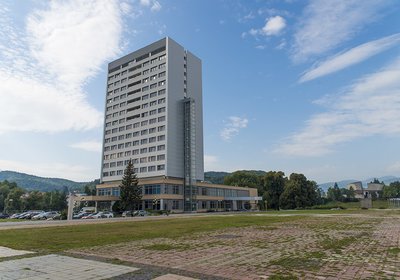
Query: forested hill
(217,177)
(31,182)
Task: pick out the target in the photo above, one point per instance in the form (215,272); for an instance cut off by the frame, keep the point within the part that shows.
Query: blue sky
(298,86)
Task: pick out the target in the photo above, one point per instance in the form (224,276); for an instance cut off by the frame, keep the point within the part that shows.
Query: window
(162,83)
(144,97)
(161,157)
(152,130)
(161,92)
(135,134)
(161,119)
(135,143)
(146,63)
(145,105)
(152,158)
(128,135)
(161,66)
(162,57)
(129,126)
(128,144)
(143,141)
(122,128)
(161,128)
(143,169)
(153,94)
(153,112)
(152,78)
(152,121)
(153,85)
(144,123)
(161,110)
(136,125)
(152,189)
(145,72)
(162,74)
(145,80)
(127,153)
(145,114)
(135,152)
(143,160)
(161,138)
(144,132)
(154,60)
(152,149)
(152,139)
(152,168)
(160,147)
(161,167)
(161,101)
(152,69)
(121,137)
(153,103)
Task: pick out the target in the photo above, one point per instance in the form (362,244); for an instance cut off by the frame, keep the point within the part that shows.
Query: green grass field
(53,239)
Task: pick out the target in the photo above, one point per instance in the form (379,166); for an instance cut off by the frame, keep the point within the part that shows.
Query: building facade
(154,117)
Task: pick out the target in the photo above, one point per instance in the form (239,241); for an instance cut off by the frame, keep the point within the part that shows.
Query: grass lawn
(54,239)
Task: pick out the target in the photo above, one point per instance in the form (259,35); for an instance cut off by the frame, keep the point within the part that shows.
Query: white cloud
(274,26)
(90,146)
(72,46)
(370,106)
(155,7)
(145,3)
(44,68)
(59,170)
(327,24)
(350,57)
(232,127)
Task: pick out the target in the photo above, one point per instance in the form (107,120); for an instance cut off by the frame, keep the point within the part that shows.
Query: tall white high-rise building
(154,115)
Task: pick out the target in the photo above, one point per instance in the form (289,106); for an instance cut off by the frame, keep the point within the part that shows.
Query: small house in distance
(358,189)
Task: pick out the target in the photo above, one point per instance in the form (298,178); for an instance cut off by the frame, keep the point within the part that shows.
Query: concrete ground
(360,246)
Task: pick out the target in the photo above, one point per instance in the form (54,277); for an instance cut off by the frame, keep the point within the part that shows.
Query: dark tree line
(278,191)
(16,199)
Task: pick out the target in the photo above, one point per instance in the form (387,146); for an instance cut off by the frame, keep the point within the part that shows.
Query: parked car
(45,215)
(80,215)
(28,215)
(141,213)
(90,216)
(4,216)
(127,214)
(15,216)
(107,215)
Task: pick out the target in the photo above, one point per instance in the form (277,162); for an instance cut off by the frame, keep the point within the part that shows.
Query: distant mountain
(31,182)
(342,184)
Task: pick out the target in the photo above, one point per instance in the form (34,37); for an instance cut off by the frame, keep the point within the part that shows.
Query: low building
(165,193)
(374,189)
(358,189)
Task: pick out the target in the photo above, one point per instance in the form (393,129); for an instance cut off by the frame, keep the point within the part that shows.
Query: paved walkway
(7,252)
(57,267)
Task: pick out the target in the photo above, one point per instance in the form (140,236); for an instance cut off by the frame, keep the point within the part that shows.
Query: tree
(130,192)
(274,183)
(13,200)
(392,191)
(299,192)
(247,179)
(334,193)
